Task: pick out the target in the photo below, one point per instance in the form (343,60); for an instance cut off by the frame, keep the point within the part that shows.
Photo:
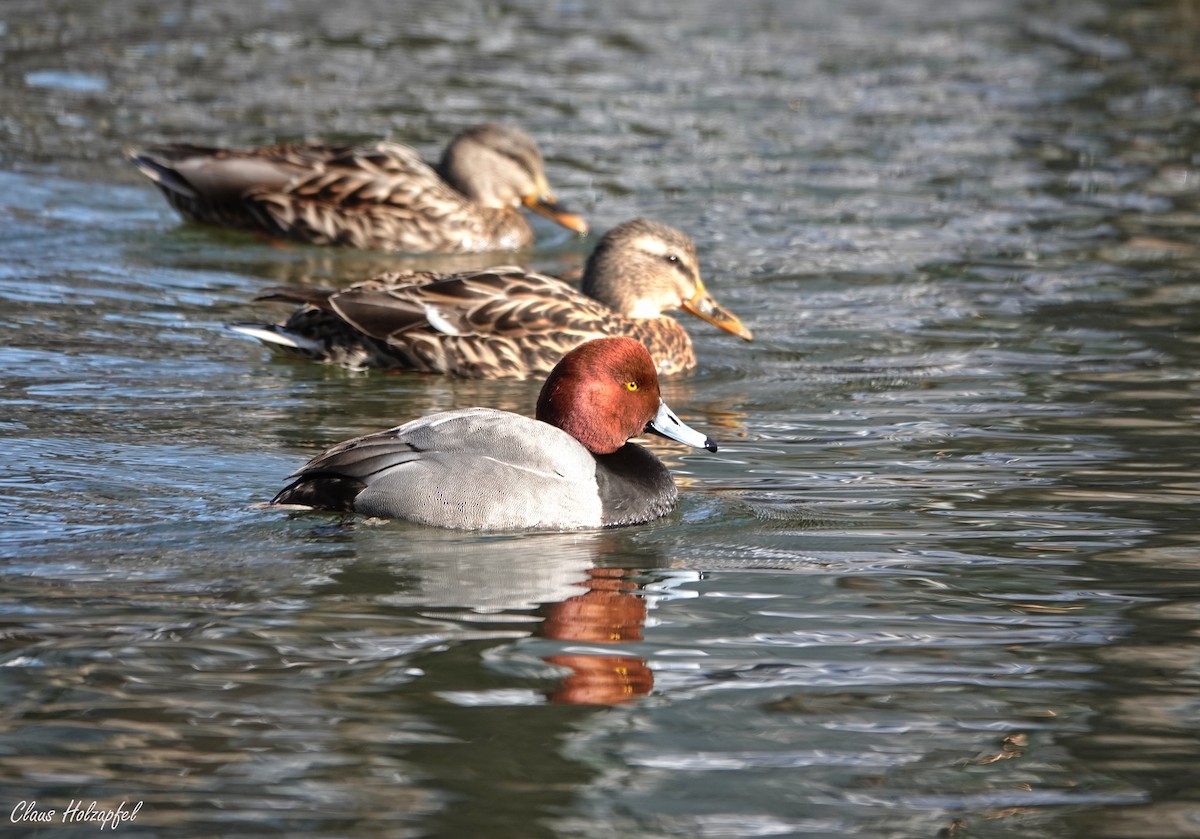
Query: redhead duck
(508,322)
(484,469)
(379,197)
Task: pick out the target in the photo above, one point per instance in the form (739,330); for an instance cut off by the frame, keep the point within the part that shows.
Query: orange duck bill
(703,306)
(545,204)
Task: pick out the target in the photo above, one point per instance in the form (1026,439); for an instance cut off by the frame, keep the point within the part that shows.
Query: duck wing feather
(475,467)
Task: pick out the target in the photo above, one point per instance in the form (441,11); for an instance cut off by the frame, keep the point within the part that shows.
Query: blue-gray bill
(666,424)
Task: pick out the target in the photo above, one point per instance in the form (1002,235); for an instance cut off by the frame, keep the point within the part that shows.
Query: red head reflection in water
(607,613)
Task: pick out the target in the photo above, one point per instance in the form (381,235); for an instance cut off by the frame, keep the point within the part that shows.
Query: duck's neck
(634,486)
(507,228)
(595,287)
(668,342)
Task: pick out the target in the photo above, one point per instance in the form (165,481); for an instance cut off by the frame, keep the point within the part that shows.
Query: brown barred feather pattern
(377,197)
(506,321)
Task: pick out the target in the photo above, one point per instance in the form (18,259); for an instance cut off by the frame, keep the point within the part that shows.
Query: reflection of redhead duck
(479,468)
(601,679)
(381,196)
(608,613)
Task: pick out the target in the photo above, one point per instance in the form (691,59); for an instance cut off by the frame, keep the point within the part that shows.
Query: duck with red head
(483,469)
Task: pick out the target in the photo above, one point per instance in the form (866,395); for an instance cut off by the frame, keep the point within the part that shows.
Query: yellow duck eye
(631,385)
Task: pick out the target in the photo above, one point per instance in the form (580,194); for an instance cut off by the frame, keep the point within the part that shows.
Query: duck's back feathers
(379,197)
(385,197)
(472,469)
(503,322)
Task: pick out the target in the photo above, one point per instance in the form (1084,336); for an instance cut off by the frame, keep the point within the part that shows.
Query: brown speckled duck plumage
(375,197)
(507,322)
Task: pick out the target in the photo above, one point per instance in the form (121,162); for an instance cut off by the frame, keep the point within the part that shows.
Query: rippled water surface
(941,580)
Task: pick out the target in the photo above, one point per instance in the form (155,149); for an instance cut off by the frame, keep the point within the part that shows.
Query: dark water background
(942,579)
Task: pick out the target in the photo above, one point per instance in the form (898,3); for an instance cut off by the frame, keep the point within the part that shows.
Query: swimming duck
(484,469)
(378,197)
(508,322)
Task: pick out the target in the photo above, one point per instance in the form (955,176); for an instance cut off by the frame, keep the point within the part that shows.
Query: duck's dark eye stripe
(680,265)
(523,161)
(519,156)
